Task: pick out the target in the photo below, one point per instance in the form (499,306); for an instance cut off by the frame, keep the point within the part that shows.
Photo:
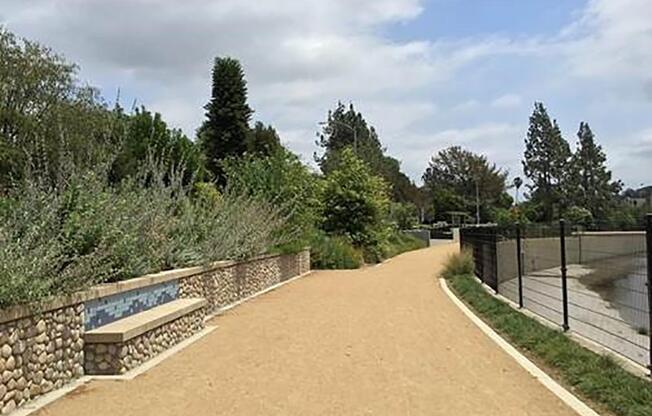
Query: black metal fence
(482,241)
(594,282)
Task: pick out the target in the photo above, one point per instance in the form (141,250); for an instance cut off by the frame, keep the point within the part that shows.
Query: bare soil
(383,340)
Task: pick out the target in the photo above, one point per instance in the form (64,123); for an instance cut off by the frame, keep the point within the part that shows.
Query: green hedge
(337,252)
(334,252)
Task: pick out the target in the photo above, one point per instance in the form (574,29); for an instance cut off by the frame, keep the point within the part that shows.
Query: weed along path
(383,340)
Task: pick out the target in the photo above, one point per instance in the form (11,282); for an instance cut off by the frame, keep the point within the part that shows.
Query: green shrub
(404,215)
(283,181)
(84,231)
(579,216)
(399,243)
(458,264)
(355,203)
(334,252)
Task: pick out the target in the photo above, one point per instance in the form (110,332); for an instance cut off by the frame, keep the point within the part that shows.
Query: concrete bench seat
(124,344)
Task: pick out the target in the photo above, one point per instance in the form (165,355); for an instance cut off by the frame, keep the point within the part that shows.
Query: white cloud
(468,105)
(611,43)
(507,101)
(301,57)
(500,142)
(637,154)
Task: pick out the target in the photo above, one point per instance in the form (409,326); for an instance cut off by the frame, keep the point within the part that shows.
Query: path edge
(558,390)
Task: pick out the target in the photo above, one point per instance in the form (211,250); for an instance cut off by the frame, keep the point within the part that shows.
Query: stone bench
(125,344)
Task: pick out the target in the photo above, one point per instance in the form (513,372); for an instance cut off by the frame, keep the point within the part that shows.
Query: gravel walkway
(382,340)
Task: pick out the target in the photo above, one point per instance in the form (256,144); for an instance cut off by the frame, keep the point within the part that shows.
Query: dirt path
(384,340)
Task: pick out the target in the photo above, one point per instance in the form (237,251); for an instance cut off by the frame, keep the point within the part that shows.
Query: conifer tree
(589,184)
(545,162)
(345,127)
(226,128)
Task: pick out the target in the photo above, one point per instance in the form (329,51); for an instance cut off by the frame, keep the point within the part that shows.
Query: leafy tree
(226,128)
(402,188)
(458,179)
(624,216)
(347,128)
(355,202)
(263,140)
(45,115)
(589,182)
(579,216)
(405,216)
(545,161)
(282,180)
(147,135)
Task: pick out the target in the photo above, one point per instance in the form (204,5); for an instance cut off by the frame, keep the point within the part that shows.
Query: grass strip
(599,379)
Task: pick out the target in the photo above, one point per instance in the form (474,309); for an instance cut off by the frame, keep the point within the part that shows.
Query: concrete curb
(567,397)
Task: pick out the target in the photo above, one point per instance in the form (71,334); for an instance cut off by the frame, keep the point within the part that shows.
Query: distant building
(639,198)
(637,202)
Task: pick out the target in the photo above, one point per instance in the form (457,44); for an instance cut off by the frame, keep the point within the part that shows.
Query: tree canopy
(147,135)
(263,140)
(457,180)
(46,116)
(347,128)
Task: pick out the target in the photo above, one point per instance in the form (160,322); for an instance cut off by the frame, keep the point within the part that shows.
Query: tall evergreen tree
(545,162)
(225,131)
(346,128)
(589,183)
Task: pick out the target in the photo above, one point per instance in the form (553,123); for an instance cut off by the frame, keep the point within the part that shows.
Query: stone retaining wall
(233,282)
(42,346)
(40,353)
(118,358)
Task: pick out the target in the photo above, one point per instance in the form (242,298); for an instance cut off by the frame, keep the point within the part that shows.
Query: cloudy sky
(427,74)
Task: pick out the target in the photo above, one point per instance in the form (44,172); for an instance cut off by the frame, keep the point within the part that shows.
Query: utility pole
(477,202)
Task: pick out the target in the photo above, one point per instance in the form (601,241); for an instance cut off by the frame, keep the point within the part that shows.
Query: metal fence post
(519,265)
(564,288)
(494,257)
(648,243)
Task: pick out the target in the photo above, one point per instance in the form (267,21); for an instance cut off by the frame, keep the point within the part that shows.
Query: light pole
(477,202)
(518,182)
(348,126)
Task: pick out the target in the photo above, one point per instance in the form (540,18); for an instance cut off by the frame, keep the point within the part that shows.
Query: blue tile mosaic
(103,311)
